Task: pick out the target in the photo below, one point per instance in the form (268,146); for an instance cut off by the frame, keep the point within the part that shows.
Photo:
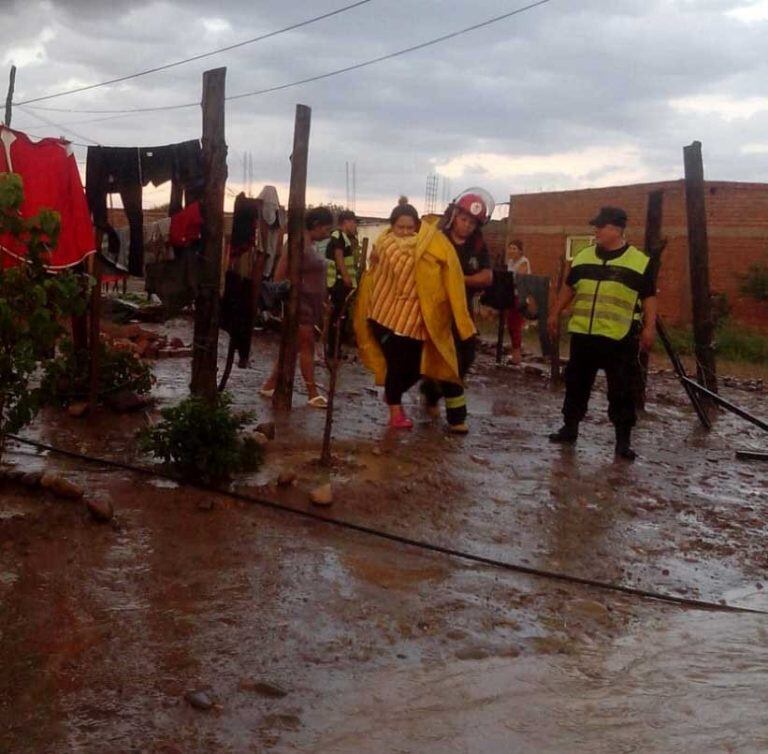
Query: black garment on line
(619,360)
(245,221)
(403,357)
(125,170)
(237,313)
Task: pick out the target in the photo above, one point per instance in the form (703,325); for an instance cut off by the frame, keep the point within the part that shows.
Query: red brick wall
(737,216)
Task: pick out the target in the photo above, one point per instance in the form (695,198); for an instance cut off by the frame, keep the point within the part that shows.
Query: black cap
(346,214)
(610,216)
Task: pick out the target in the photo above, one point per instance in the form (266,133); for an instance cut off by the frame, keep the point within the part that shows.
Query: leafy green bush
(67,378)
(755,282)
(732,343)
(201,440)
(32,305)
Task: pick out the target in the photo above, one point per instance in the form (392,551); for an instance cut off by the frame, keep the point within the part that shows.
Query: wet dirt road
(308,638)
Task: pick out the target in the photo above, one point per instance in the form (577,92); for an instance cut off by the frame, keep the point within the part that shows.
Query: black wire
(319,77)
(43,119)
(165,67)
(400,539)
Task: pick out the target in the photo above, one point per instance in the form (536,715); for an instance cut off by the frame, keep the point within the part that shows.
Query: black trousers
(619,360)
(403,357)
(455,399)
(338,295)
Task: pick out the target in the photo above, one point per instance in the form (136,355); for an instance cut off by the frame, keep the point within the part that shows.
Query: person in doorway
(611,286)
(517,263)
(318,223)
(410,304)
(341,254)
(461,225)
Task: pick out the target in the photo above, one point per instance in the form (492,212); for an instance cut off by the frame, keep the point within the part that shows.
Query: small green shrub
(202,440)
(67,378)
(732,343)
(755,282)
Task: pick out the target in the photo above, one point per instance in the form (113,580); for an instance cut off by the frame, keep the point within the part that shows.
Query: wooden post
(206,338)
(554,343)
(286,365)
(9,97)
(654,245)
(94,268)
(363,261)
(698,249)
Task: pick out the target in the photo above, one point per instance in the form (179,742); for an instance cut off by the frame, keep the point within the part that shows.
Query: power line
(43,119)
(202,55)
(319,77)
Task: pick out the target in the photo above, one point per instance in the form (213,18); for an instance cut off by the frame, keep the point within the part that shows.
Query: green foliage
(732,343)
(32,303)
(755,282)
(67,378)
(202,440)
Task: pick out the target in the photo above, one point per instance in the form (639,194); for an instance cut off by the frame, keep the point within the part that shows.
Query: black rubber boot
(567,434)
(623,445)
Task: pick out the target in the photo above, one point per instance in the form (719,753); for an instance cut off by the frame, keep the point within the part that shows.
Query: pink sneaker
(401,421)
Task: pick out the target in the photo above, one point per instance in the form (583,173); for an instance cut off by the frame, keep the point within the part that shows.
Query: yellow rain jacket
(443,300)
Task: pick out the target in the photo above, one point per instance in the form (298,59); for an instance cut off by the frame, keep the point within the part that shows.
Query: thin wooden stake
(286,368)
(698,248)
(206,338)
(9,97)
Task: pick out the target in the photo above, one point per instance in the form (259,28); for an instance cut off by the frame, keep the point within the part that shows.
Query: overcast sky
(574,93)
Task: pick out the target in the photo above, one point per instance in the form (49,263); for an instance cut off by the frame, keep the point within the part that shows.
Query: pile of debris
(146,344)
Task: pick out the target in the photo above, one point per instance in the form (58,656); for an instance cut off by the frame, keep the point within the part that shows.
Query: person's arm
(281,271)
(341,267)
(648,334)
(562,302)
(481,279)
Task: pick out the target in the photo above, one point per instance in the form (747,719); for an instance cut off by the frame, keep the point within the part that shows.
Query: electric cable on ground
(400,539)
(319,77)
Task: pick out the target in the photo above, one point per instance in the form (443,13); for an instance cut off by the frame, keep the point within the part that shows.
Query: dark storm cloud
(588,81)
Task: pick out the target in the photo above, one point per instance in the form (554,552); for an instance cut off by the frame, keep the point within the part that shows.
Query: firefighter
(461,224)
(341,253)
(611,286)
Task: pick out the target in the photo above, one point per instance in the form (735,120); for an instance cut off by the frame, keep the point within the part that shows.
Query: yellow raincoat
(443,300)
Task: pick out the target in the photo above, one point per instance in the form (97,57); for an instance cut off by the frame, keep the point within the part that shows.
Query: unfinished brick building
(737,215)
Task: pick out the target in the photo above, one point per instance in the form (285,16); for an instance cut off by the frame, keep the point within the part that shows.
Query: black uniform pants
(403,357)
(338,295)
(619,360)
(455,399)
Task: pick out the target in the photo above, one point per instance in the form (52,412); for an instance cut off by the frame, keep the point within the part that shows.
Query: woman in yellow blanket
(409,303)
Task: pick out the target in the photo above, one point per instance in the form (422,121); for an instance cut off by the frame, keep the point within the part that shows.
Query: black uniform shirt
(473,258)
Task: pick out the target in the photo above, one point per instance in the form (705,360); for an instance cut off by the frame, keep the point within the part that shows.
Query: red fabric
(51,181)
(515,321)
(186,226)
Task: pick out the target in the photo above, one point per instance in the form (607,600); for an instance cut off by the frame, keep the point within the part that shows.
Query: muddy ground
(310,638)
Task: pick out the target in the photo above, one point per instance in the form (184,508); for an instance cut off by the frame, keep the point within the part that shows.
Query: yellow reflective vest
(607,292)
(350,245)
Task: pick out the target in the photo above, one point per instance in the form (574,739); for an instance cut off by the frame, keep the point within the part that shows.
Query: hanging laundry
(274,217)
(126,170)
(51,181)
(186,226)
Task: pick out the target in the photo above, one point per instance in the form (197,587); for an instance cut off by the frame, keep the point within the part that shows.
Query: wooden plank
(9,96)
(698,249)
(286,366)
(206,337)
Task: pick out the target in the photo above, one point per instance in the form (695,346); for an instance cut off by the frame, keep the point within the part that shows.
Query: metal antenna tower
(430,197)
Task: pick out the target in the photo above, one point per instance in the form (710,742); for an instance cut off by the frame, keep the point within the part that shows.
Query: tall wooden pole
(654,245)
(283,397)
(9,97)
(206,338)
(698,249)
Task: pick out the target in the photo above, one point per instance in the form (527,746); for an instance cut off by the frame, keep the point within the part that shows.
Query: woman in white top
(518,263)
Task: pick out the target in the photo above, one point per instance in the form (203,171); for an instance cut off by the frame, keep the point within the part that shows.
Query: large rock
(322,496)
(199,700)
(100,510)
(61,487)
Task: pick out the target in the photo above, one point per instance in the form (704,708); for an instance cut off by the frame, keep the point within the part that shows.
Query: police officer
(611,286)
(341,254)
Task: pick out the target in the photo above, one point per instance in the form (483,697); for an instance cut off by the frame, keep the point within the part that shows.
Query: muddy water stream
(312,639)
